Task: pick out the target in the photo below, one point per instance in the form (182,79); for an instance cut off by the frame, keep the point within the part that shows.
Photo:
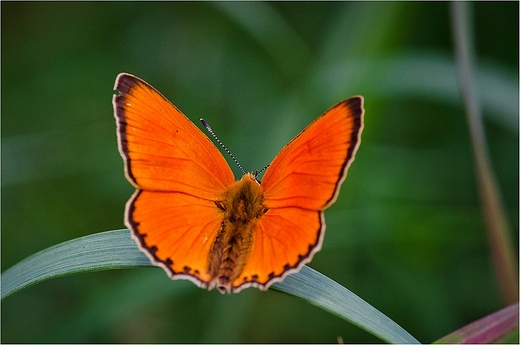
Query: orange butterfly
(191,217)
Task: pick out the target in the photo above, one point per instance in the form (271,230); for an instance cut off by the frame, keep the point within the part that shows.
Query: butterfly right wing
(309,170)
(300,183)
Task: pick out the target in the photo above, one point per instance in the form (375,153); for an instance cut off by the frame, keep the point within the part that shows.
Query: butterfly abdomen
(242,205)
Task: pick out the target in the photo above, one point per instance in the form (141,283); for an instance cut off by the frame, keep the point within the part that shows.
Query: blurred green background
(406,233)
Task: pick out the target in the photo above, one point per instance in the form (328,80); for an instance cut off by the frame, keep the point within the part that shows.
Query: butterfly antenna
(222,145)
(258,172)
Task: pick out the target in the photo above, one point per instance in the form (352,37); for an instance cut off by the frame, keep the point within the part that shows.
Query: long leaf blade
(116,250)
(498,327)
(102,251)
(336,299)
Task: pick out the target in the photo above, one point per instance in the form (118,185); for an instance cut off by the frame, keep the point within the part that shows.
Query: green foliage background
(406,233)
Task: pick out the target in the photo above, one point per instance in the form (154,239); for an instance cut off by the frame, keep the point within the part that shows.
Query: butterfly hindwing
(177,230)
(277,248)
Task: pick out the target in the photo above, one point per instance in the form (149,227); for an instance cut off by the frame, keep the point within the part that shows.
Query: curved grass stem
(498,232)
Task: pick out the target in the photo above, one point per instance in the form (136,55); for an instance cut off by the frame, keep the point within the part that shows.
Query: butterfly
(192,218)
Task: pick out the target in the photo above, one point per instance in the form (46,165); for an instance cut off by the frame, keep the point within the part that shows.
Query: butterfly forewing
(162,148)
(309,170)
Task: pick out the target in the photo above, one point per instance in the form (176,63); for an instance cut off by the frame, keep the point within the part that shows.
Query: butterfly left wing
(162,149)
(177,231)
(178,174)
(301,182)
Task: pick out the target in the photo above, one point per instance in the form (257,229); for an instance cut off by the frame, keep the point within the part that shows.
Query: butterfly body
(242,206)
(190,216)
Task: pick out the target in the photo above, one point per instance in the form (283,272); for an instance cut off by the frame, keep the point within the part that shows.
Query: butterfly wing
(178,173)
(301,182)
(162,148)
(176,231)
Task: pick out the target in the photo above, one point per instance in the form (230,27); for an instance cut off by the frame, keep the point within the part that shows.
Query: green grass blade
(116,250)
(336,299)
(101,251)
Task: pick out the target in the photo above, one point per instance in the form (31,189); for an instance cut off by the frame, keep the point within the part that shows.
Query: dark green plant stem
(506,267)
